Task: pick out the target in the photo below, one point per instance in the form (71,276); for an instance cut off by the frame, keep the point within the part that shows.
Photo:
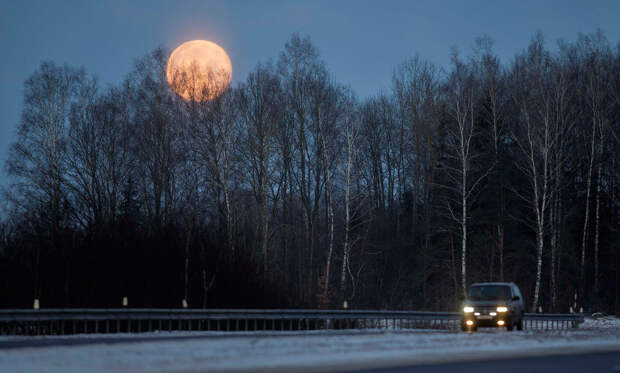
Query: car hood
(486,303)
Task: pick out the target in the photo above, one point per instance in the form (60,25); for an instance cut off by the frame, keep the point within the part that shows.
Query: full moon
(199,70)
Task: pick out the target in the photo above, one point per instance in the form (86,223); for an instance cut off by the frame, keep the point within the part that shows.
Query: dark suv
(493,304)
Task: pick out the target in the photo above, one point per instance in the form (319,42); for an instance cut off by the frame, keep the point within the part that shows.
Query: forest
(290,191)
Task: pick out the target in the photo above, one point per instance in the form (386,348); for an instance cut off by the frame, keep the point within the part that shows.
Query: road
(589,363)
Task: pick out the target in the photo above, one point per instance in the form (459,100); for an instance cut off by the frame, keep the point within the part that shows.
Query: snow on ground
(311,351)
(604,322)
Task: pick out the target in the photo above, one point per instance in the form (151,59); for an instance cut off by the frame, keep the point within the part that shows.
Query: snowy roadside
(316,351)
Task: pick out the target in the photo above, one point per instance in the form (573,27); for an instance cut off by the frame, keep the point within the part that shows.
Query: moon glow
(199,70)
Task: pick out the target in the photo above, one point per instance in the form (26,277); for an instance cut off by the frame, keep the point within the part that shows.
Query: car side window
(517,292)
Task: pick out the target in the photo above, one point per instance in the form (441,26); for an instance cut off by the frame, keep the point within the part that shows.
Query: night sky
(361,41)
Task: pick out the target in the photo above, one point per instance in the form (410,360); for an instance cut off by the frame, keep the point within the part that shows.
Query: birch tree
(351,150)
(597,60)
(492,110)
(37,159)
(541,94)
(459,161)
(328,103)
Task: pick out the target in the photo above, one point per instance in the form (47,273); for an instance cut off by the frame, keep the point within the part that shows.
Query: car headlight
(468,309)
(502,309)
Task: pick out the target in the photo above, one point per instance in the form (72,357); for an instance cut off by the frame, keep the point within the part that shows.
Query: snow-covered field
(311,351)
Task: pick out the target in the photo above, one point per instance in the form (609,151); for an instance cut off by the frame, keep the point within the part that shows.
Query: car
(492,304)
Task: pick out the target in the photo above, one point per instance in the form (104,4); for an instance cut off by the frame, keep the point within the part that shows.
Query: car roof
(493,283)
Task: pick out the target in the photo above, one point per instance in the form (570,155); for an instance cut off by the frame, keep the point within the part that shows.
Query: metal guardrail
(552,320)
(125,320)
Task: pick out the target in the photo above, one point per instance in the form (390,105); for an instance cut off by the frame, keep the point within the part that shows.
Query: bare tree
(351,133)
(99,163)
(416,90)
(542,98)
(493,107)
(298,66)
(260,109)
(37,160)
(328,105)
(597,59)
(156,136)
(213,139)
(458,163)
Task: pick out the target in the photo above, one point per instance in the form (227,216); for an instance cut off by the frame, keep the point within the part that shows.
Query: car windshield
(489,292)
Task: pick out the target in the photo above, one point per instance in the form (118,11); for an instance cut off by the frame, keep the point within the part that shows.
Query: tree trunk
(330,215)
(464,160)
(540,244)
(204,275)
(552,218)
(540,208)
(229,220)
(347,213)
(187,246)
(597,229)
(464,239)
(587,214)
(500,236)
(264,232)
(453,266)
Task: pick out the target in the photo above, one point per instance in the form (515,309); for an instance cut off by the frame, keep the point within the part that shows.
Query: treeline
(288,191)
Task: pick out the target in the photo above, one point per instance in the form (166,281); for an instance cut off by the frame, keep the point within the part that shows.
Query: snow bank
(602,323)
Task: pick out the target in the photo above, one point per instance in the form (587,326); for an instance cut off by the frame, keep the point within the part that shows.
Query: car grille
(484,310)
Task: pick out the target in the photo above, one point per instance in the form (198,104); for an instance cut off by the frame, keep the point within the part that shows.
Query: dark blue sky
(362,41)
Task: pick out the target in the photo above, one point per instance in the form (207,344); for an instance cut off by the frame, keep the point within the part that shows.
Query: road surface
(581,363)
